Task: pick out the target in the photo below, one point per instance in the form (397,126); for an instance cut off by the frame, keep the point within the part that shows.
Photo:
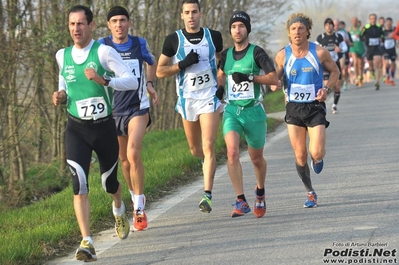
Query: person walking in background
(395,33)
(98,69)
(373,35)
(242,70)
(190,54)
(344,56)
(381,22)
(357,51)
(336,46)
(131,107)
(302,63)
(389,53)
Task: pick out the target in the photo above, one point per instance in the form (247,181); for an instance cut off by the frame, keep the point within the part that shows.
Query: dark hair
(328,21)
(389,18)
(191,2)
(85,9)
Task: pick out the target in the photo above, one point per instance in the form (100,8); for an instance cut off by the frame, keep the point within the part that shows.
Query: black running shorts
(306,114)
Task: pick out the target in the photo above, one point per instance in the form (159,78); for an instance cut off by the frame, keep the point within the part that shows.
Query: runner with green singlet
(357,50)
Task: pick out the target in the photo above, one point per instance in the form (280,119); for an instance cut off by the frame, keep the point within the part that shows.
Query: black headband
(301,20)
(116,11)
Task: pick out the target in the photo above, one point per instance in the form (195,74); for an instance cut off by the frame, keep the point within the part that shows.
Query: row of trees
(31,31)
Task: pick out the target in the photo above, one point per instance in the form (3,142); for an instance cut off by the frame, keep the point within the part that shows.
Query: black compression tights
(304,174)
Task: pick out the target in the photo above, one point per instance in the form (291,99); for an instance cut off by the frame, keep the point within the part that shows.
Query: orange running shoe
(260,205)
(392,83)
(139,221)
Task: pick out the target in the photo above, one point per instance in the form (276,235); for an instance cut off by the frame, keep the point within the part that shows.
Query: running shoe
(86,252)
(242,207)
(139,221)
(260,205)
(385,80)
(392,83)
(345,86)
(334,109)
(317,166)
(205,204)
(360,83)
(122,226)
(377,86)
(311,200)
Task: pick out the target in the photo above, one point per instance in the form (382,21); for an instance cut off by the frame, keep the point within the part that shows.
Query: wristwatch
(151,82)
(327,89)
(250,77)
(107,79)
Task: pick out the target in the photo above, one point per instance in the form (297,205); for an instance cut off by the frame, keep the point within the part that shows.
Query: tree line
(31,32)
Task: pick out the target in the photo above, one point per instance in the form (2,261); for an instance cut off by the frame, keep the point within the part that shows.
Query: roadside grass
(48,229)
(274,102)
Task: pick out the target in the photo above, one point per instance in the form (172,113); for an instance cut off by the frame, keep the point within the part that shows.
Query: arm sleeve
(101,41)
(263,60)
(217,40)
(112,62)
(59,56)
(169,48)
(145,50)
(222,59)
(318,40)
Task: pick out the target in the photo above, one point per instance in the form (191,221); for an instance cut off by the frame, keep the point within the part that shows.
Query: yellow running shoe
(122,226)
(86,252)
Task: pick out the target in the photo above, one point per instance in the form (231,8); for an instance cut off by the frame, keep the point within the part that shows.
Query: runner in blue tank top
(302,63)
(131,108)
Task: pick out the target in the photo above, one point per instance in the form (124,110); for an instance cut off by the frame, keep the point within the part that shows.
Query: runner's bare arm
(164,68)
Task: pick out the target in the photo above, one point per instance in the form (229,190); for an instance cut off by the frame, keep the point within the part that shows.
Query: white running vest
(197,81)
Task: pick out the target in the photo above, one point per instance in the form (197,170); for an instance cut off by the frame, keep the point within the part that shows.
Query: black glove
(190,59)
(239,77)
(219,92)
(285,84)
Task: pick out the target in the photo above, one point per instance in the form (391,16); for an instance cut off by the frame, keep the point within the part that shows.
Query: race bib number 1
(133,65)
(92,108)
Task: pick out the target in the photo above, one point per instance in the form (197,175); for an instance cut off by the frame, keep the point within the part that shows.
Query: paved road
(357,217)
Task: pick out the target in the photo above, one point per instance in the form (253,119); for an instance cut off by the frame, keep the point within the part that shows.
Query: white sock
(132,194)
(139,202)
(118,211)
(88,238)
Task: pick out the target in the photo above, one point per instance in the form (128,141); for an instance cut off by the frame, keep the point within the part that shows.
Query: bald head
(354,21)
(336,24)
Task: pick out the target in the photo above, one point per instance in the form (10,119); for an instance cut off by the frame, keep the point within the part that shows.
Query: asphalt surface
(356,222)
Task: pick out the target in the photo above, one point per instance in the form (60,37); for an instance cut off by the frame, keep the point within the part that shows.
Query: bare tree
(32,131)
